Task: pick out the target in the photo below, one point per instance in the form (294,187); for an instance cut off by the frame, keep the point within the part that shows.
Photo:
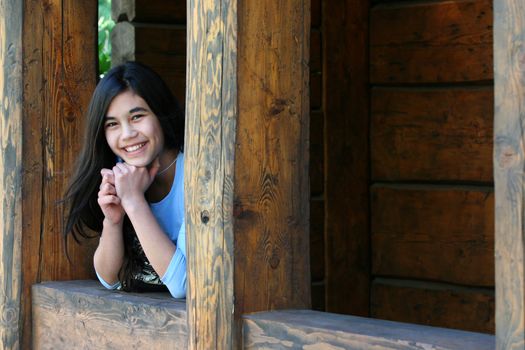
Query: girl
(137,202)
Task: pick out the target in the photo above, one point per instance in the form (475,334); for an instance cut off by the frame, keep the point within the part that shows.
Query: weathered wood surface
(211,116)
(159,11)
(11,148)
(433,304)
(162,47)
(347,155)
(442,134)
(85,315)
(440,233)
(509,162)
(434,41)
(59,75)
(271,161)
(305,329)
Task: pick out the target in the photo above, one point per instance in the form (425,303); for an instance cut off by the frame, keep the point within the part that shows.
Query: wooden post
(247,195)
(509,164)
(10,171)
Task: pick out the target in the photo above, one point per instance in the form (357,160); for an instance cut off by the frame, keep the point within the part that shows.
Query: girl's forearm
(109,255)
(157,246)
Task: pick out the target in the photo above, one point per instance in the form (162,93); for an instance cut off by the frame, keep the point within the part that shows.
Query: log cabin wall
(432,196)
(152,32)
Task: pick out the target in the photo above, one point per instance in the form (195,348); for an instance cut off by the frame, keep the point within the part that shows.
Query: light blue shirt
(170,216)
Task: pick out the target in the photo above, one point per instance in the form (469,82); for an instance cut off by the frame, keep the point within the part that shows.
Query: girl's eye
(136,116)
(110,124)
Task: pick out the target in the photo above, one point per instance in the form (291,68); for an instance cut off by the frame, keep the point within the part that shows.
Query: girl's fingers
(108,199)
(107,176)
(107,188)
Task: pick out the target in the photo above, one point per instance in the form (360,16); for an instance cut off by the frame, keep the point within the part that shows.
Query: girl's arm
(131,182)
(109,255)
(157,246)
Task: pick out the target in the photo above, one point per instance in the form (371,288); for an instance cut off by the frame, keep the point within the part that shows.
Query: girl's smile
(133,131)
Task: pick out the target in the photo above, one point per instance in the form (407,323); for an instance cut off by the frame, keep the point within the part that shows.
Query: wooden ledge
(85,315)
(304,328)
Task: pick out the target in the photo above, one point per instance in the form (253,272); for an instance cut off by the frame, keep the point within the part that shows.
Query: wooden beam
(10,171)
(306,329)
(85,315)
(246,156)
(345,98)
(509,165)
(211,111)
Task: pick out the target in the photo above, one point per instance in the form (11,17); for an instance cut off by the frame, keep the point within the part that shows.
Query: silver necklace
(166,168)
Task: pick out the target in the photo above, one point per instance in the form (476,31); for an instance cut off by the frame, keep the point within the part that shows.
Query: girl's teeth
(134,148)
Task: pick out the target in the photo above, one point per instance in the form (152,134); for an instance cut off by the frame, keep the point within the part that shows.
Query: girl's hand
(108,200)
(131,182)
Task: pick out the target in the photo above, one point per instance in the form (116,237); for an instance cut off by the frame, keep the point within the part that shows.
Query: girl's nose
(128,132)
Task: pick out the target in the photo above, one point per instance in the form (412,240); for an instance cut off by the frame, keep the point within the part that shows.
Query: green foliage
(105,25)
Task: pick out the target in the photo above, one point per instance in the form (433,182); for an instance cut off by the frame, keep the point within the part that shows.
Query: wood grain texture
(11,147)
(151,11)
(85,315)
(442,134)
(306,329)
(434,304)
(211,113)
(346,100)
(271,162)
(59,75)
(509,162)
(69,73)
(429,42)
(438,233)
(162,47)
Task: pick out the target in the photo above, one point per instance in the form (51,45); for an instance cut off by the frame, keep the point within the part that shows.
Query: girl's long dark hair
(82,193)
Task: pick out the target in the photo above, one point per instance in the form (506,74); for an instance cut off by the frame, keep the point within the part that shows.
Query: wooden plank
(439,233)
(434,304)
(70,75)
(152,11)
(33,162)
(11,120)
(211,115)
(431,42)
(306,329)
(163,48)
(85,315)
(271,162)
(346,157)
(316,13)
(509,162)
(442,134)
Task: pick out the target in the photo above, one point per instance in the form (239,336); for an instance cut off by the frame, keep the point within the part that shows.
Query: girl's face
(132,131)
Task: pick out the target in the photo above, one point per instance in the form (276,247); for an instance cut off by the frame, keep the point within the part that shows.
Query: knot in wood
(274,260)
(205,217)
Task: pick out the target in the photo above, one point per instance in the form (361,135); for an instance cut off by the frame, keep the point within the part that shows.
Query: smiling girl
(128,183)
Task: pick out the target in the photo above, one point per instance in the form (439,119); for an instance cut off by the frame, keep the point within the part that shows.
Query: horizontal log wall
(432,202)
(154,33)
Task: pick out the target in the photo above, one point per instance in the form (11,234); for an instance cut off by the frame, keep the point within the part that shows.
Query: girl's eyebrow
(138,109)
